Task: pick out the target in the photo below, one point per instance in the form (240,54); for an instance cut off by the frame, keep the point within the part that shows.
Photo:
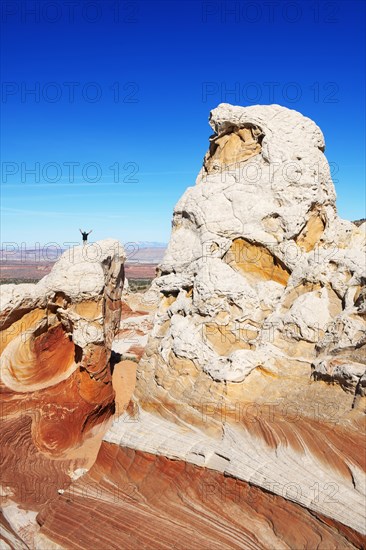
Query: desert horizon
(183,275)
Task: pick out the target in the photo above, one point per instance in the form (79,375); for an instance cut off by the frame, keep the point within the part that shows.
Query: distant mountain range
(30,264)
(153,244)
(136,251)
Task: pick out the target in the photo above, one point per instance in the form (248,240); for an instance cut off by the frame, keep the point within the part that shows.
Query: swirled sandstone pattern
(246,427)
(255,366)
(56,380)
(140,500)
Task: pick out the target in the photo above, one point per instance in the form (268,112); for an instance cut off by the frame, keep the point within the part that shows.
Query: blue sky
(132,90)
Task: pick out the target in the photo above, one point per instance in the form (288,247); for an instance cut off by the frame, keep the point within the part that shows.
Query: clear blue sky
(134,89)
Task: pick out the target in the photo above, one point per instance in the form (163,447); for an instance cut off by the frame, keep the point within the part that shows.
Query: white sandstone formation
(259,293)
(261,236)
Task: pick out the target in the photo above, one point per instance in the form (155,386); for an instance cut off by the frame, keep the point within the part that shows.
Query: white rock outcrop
(260,291)
(268,245)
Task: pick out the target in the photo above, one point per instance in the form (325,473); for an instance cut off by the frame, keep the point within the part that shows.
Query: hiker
(85,236)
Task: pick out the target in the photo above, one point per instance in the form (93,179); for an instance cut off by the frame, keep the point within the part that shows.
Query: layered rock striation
(255,366)
(141,500)
(245,359)
(56,378)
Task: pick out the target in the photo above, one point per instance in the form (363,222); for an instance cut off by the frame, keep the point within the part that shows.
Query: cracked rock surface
(255,366)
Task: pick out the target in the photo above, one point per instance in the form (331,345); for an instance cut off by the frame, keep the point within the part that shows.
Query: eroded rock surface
(246,426)
(56,380)
(255,363)
(140,500)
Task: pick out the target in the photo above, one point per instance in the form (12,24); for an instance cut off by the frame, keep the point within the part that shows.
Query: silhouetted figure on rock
(85,236)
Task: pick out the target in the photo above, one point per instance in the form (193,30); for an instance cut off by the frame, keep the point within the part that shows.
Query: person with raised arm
(85,236)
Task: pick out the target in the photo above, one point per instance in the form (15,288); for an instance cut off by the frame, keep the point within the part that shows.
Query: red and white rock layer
(56,379)
(255,364)
(246,425)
